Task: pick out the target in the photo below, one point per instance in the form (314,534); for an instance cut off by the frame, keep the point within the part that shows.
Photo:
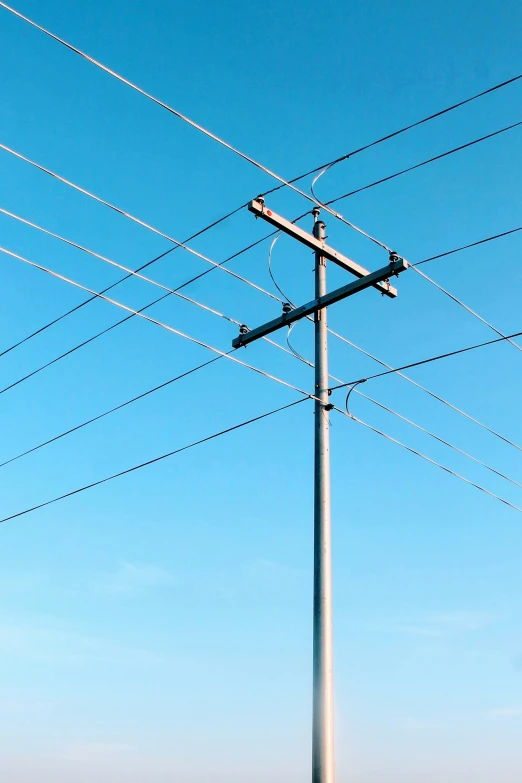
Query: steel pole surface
(323,768)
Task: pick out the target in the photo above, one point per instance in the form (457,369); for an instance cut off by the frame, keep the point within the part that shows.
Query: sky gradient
(158,628)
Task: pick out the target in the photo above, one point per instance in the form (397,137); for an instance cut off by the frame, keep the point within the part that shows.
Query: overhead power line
(214,350)
(431,461)
(190,122)
(292,351)
(468,309)
(201,231)
(141,314)
(295,355)
(424,163)
(205,131)
(437,438)
(436,358)
(154,461)
(466,247)
(426,391)
(232,429)
(129,216)
(155,301)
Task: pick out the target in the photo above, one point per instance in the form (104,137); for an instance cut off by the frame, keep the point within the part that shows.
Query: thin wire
(401,130)
(426,390)
(284,183)
(420,165)
(153,320)
(205,364)
(186,119)
(428,459)
(134,219)
(112,410)
(236,322)
(306,397)
(269,261)
(131,272)
(208,271)
(431,435)
(472,244)
(220,354)
(318,177)
(292,349)
(152,461)
(433,359)
(468,309)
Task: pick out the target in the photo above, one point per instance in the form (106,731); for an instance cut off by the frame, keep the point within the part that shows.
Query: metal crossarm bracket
(324,301)
(259,209)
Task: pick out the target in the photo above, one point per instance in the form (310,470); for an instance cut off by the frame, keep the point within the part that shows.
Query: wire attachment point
(352,387)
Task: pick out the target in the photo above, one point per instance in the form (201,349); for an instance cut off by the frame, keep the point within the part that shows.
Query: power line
(436,437)
(228,355)
(126,277)
(423,163)
(466,247)
(129,216)
(186,119)
(197,277)
(296,179)
(428,361)
(468,309)
(131,273)
(296,355)
(153,320)
(173,291)
(283,183)
(232,429)
(118,323)
(426,390)
(111,410)
(155,460)
(431,461)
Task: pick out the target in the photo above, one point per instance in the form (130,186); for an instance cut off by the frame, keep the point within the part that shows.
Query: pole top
(316,212)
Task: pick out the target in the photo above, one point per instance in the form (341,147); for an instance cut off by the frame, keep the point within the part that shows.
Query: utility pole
(323,762)
(323,770)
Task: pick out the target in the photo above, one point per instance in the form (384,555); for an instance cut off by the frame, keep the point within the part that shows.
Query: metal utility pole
(323,763)
(323,770)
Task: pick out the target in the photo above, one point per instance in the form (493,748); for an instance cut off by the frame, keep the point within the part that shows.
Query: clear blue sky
(159,627)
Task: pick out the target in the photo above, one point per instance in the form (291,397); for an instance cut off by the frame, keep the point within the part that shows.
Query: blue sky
(159,627)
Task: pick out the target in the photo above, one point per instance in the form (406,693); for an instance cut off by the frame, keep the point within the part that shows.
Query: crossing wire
(295,355)
(155,460)
(211,225)
(215,435)
(423,163)
(131,217)
(190,122)
(436,358)
(155,321)
(465,307)
(228,355)
(155,301)
(428,459)
(187,283)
